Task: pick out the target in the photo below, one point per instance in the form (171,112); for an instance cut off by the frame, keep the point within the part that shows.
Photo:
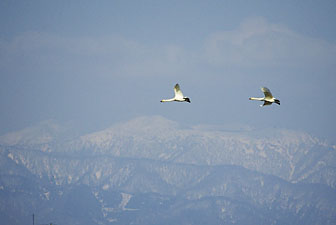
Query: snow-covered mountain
(294,156)
(151,170)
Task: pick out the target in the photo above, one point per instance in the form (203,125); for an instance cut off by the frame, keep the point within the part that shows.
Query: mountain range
(151,170)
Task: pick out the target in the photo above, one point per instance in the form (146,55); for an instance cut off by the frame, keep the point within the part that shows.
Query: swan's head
(187,99)
(277,101)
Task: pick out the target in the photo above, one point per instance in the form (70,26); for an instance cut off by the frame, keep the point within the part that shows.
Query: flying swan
(268,99)
(178,96)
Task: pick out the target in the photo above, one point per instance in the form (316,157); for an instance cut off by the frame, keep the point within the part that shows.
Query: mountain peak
(41,133)
(150,122)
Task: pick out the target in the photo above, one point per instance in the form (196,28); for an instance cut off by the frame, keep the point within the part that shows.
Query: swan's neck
(168,100)
(258,99)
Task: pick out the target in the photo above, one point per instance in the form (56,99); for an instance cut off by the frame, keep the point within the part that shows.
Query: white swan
(178,96)
(268,99)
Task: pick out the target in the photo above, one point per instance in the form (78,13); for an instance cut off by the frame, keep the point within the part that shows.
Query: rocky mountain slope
(154,171)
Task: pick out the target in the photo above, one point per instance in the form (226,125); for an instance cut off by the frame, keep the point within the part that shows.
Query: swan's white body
(178,96)
(268,99)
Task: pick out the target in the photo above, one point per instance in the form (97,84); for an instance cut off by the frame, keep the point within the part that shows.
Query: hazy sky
(98,63)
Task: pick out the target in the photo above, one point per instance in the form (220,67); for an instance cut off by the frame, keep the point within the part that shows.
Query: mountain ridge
(151,170)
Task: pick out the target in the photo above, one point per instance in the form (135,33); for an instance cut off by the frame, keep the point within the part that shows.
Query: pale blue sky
(98,63)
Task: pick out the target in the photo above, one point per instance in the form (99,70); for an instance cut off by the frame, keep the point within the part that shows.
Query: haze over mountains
(151,170)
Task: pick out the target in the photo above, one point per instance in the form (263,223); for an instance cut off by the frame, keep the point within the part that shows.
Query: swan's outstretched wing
(267,103)
(267,92)
(178,92)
